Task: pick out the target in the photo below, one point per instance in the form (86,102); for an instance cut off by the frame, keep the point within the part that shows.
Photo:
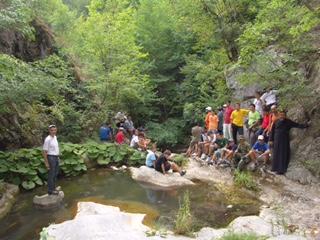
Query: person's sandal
(183,172)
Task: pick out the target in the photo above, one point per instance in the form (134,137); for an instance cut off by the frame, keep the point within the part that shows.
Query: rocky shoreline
(8,198)
(289,210)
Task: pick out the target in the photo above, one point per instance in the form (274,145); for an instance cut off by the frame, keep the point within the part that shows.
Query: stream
(209,207)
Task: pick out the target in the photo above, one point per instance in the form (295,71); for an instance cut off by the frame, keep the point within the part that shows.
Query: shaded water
(208,205)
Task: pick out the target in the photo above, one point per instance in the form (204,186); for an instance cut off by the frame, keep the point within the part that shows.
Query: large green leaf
(28,185)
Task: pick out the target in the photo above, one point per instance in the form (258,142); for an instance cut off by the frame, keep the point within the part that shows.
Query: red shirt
(119,137)
(227,115)
(265,121)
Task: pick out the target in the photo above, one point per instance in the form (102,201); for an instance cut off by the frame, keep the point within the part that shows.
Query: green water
(208,205)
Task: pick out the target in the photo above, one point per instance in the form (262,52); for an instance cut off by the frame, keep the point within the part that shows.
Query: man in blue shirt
(151,156)
(105,132)
(260,150)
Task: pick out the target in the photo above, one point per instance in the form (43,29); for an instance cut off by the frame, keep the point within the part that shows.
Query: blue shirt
(260,147)
(104,133)
(151,157)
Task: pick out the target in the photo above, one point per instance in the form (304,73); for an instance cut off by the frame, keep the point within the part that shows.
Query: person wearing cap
(260,150)
(206,120)
(279,138)
(51,154)
(227,111)
(237,121)
(120,138)
(242,150)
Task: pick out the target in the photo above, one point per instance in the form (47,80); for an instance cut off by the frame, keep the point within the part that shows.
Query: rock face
(8,198)
(100,222)
(151,176)
(48,201)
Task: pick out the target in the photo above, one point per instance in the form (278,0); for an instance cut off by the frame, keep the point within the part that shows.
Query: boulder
(48,201)
(149,175)
(251,224)
(7,198)
(287,237)
(210,233)
(96,222)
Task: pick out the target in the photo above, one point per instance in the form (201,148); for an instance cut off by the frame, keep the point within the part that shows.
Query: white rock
(287,237)
(99,222)
(149,175)
(210,233)
(251,224)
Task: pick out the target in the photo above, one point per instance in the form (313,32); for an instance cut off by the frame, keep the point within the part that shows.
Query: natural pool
(209,206)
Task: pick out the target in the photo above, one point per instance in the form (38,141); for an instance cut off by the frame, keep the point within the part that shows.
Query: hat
(224,105)
(208,108)
(260,137)
(241,137)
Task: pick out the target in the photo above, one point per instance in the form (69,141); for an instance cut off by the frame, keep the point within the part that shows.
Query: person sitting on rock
(134,143)
(259,151)
(195,139)
(163,165)
(151,156)
(120,137)
(227,153)
(242,150)
(209,145)
(217,147)
(204,139)
(143,142)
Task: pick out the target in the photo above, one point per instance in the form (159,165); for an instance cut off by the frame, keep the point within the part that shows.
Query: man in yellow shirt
(237,121)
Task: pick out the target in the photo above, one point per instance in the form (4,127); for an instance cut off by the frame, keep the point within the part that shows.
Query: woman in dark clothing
(279,138)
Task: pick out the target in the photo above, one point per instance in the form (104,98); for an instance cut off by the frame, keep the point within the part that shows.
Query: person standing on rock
(237,120)
(227,133)
(279,139)
(51,158)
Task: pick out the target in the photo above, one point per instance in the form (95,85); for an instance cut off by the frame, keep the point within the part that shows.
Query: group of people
(222,141)
(136,138)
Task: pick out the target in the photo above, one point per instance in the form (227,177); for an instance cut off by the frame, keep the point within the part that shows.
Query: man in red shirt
(227,121)
(120,137)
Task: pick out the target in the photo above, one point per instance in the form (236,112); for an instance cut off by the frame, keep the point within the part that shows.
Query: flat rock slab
(97,222)
(48,201)
(149,175)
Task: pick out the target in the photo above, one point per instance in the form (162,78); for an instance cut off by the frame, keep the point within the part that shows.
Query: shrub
(245,179)
(181,160)
(26,167)
(183,223)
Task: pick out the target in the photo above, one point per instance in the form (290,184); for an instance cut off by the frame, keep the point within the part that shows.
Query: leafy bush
(241,236)
(166,134)
(180,160)
(26,167)
(184,218)
(245,179)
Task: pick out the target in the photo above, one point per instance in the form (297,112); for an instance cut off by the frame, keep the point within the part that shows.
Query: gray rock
(210,233)
(48,201)
(287,237)
(151,176)
(8,198)
(251,224)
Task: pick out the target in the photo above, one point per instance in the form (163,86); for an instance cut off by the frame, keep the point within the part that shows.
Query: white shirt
(51,146)
(134,141)
(258,104)
(269,97)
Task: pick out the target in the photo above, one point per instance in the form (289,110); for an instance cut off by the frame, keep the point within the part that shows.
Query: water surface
(209,206)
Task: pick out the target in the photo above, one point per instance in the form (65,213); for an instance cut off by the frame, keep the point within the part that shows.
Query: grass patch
(184,224)
(181,160)
(241,236)
(245,179)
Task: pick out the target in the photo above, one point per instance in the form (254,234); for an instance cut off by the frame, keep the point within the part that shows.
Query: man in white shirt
(269,98)
(51,158)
